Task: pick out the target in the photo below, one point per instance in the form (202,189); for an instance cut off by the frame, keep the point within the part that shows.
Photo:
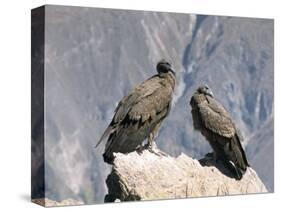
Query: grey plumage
(216,125)
(139,115)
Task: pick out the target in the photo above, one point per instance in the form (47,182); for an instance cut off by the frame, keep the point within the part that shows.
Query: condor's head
(164,67)
(204,89)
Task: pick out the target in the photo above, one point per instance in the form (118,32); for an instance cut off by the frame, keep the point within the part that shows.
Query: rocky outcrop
(150,176)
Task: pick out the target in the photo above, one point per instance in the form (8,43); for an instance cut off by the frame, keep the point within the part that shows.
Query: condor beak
(173,72)
(210,93)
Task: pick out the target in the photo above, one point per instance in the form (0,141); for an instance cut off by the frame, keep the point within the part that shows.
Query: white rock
(149,176)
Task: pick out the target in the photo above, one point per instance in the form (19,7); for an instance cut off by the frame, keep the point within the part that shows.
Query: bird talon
(153,152)
(148,147)
(151,147)
(140,149)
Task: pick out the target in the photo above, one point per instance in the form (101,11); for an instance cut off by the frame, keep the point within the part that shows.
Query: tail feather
(108,157)
(237,161)
(108,130)
(236,171)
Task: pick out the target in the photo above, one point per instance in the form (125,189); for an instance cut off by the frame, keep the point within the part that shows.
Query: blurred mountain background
(94,57)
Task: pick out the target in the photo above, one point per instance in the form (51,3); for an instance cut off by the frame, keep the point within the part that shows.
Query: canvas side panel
(37,105)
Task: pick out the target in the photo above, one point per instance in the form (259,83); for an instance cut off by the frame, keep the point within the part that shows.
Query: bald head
(164,67)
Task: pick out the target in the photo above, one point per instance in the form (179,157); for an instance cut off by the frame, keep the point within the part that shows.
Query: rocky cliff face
(148,176)
(93,57)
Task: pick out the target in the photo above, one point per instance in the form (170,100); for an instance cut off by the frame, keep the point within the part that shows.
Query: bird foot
(153,149)
(140,149)
(150,145)
(147,146)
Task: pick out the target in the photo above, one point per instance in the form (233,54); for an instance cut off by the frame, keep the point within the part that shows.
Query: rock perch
(148,176)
